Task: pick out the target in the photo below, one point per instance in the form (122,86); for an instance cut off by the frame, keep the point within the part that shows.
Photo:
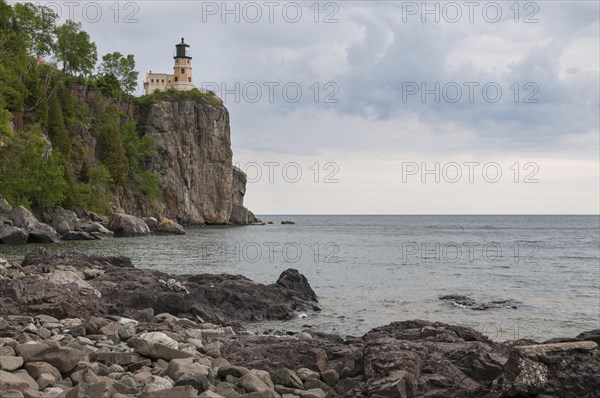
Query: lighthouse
(181,79)
(182,70)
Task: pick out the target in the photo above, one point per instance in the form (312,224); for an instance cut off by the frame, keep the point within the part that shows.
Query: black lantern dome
(182,50)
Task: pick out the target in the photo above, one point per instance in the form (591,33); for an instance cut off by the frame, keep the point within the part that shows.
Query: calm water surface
(371,270)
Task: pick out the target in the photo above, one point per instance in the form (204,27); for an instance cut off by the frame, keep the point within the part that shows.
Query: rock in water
(38,232)
(12,235)
(125,225)
(169,227)
(293,280)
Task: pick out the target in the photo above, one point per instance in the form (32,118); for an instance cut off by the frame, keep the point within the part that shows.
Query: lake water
(372,270)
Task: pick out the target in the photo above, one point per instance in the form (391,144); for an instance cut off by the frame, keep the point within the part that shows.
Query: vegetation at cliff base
(59,147)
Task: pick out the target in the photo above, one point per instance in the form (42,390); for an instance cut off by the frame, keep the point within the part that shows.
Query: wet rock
(468,302)
(293,280)
(125,225)
(169,227)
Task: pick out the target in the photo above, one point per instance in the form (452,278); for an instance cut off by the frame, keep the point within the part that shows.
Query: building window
(176,78)
(182,71)
(162,81)
(152,80)
(189,79)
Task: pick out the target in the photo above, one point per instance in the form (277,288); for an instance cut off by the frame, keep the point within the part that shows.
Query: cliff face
(194,163)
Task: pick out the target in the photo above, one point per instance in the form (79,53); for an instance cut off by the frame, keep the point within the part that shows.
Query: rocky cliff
(194,163)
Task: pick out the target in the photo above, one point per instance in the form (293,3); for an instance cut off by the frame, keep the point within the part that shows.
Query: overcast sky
(388,89)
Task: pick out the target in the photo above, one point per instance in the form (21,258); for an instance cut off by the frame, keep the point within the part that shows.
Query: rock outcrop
(78,285)
(73,325)
(194,163)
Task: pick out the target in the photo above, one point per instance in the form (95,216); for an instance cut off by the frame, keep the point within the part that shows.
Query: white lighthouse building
(181,79)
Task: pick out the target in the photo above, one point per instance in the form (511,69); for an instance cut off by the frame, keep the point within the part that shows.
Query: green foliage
(29,175)
(95,193)
(35,25)
(147,182)
(109,85)
(110,145)
(37,93)
(74,49)
(56,128)
(122,69)
(138,149)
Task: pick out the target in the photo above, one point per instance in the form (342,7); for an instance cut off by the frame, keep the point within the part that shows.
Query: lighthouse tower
(182,70)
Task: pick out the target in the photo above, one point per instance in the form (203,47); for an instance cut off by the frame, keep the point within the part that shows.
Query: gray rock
(251,383)
(330,377)
(63,358)
(236,371)
(199,381)
(175,392)
(11,394)
(12,235)
(169,227)
(9,381)
(286,377)
(127,328)
(46,380)
(126,225)
(178,367)
(54,392)
(61,277)
(313,393)
(305,373)
(38,232)
(11,363)
(36,369)
(227,390)
(156,383)
(5,207)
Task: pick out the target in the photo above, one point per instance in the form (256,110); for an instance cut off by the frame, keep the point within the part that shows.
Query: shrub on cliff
(29,174)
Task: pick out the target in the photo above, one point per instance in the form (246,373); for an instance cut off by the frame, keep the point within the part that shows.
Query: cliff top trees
(74,49)
(122,68)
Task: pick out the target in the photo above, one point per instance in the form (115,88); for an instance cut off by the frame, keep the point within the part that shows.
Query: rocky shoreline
(19,226)
(73,325)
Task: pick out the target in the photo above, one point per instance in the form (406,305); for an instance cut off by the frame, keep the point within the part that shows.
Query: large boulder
(169,227)
(61,220)
(62,358)
(293,280)
(12,235)
(38,231)
(4,206)
(126,225)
